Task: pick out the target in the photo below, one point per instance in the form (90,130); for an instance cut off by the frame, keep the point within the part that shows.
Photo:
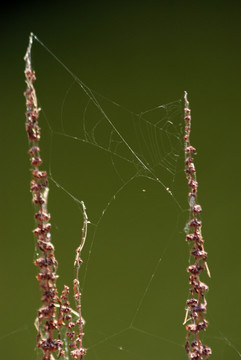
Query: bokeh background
(139,54)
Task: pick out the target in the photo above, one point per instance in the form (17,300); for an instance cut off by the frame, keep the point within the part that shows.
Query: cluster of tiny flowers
(48,323)
(196,306)
(65,319)
(46,263)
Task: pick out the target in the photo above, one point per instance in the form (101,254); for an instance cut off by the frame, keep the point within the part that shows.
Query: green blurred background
(139,54)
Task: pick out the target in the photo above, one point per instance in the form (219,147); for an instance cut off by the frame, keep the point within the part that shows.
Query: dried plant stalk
(49,324)
(197,304)
(47,263)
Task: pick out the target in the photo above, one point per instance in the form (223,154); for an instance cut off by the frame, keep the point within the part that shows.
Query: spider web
(127,167)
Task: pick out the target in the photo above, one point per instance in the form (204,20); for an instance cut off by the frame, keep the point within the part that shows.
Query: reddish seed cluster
(65,319)
(197,305)
(48,322)
(47,263)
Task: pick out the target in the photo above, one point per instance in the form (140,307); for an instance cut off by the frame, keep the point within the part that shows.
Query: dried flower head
(197,305)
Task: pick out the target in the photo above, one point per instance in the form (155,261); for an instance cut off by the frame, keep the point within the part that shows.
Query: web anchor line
(166,129)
